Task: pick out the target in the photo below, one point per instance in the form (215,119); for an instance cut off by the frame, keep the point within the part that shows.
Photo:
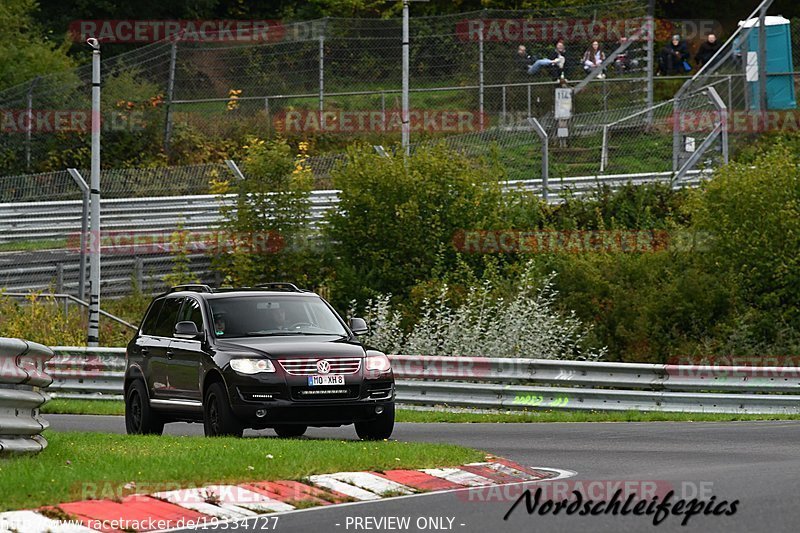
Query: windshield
(257,316)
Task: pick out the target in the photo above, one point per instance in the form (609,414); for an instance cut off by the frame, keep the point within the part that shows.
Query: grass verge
(108,407)
(78,466)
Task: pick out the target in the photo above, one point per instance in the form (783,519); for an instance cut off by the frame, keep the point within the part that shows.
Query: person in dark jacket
(674,57)
(707,50)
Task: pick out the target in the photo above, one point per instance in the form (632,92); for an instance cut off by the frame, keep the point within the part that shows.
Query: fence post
(545,155)
(405,138)
(173,55)
(76,176)
(59,277)
(138,271)
(234,168)
(651,36)
(93,333)
(321,79)
(29,125)
(480,75)
(723,118)
(604,149)
(762,59)
(266,111)
(503,114)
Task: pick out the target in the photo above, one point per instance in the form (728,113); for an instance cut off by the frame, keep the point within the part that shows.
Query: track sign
(563,103)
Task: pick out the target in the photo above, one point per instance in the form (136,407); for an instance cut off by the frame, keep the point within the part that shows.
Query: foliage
(486,325)
(25,51)
(396,216)
(269,228)
(752,212)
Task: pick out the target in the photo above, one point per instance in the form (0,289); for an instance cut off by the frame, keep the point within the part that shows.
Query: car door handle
(170,353)
(145,351)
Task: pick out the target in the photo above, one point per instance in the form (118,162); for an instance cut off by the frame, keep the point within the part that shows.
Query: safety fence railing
(515,384)
(44,244)
(22,376)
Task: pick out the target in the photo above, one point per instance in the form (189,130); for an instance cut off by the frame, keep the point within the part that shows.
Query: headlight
(378,362)
(252,366)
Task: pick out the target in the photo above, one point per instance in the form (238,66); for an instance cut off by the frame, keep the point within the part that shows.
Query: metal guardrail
(20,221)
(146,265)
(21,375)
(515,384)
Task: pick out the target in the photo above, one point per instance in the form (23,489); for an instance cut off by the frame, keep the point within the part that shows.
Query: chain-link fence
(329,78)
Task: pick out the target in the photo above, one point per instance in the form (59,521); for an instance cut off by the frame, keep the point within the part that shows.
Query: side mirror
(186,330)
(359,326)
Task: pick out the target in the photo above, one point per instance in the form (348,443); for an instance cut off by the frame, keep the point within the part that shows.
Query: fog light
(379,410)
(261,413)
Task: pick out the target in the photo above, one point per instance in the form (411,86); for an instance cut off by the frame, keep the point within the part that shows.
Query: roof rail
(281,285)
(194,287)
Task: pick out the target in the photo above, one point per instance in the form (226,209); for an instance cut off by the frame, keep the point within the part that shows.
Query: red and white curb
(202,506)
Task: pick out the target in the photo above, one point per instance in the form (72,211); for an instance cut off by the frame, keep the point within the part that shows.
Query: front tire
(218,417)
(379,429)
(288,431)
(140,419)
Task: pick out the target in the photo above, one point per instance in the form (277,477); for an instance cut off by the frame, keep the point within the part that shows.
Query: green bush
(397,216)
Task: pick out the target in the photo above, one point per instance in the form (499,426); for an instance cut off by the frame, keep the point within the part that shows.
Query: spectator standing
(593,58)
(707,50)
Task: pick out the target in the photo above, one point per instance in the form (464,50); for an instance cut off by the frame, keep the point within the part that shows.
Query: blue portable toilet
(780,82)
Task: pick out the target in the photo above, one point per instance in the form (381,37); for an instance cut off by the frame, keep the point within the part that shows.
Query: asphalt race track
(757,463)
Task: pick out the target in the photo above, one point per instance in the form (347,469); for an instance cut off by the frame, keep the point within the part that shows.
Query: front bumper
(291,401)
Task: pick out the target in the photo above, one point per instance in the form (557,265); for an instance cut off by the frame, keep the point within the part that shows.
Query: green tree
(25,51)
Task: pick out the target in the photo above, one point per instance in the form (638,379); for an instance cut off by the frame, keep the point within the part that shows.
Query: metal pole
(604,150)
(173,54)
(84,230)
(266,112)
(321,79)
(545,155)
(504,105)
(29,125)
(406,129)
(651,36)
(762,59)
(480,77)
(529,99)
(723,120)
(93,335)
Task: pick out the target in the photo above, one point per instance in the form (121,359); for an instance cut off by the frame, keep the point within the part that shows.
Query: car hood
(295,347)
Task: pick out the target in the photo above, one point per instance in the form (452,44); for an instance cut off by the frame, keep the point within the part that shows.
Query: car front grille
(307,367)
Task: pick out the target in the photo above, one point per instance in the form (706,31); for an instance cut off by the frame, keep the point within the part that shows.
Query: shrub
(397,216)
(486,325)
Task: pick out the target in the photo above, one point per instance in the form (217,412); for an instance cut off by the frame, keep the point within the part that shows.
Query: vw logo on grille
(323,366)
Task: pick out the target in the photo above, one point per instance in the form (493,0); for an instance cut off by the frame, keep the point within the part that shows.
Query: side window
(191,312)
(168,317)
(149,323)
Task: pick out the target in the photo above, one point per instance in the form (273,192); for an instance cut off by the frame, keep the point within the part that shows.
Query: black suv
(272,356)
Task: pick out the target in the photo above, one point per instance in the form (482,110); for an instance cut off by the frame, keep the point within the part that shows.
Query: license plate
(328,379)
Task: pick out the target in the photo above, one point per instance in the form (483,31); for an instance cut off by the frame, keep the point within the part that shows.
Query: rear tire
(379,429)
(140,419)
(218,417)
(288,431)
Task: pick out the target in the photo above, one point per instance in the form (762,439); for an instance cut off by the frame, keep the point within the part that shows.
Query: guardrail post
(59,277)
(138,272)
(545,155)
(21,376)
